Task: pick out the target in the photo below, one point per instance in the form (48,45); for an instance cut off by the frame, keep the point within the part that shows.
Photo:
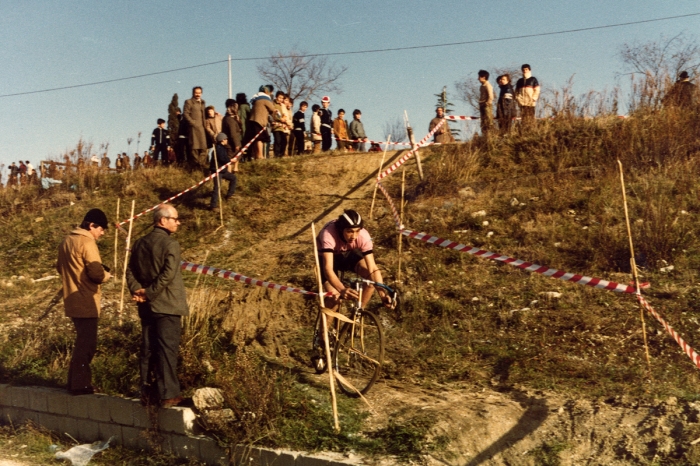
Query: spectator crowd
(269,125)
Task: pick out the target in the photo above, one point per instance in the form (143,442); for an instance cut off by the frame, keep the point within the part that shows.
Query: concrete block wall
(89,418)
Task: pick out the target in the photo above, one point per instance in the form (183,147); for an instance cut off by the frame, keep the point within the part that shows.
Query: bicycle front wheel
(359,353)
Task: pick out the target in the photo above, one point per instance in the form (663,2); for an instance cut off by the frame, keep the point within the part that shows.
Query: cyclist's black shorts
(344,261)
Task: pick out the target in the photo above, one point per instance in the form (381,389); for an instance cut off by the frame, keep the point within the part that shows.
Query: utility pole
(230,89)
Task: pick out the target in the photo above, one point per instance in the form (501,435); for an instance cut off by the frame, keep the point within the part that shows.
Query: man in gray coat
(155,282)
(193,114)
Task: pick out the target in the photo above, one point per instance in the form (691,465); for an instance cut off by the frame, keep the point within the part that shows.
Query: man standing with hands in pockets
(156,285)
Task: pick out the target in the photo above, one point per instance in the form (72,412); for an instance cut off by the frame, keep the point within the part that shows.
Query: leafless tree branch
(300,76)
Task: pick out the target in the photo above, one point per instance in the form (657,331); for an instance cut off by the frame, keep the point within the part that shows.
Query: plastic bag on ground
(80,455)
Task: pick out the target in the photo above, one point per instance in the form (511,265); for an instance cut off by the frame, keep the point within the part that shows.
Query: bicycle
(357,347)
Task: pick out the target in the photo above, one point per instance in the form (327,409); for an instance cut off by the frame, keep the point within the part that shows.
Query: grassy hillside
(552,197)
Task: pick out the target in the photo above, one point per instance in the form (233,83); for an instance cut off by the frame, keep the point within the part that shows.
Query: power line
(356,52)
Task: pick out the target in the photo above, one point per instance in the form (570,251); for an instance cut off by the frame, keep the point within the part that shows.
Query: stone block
(58,401)
(5,398)
(14,416)
(77,406)
(177,420)
(287,458)
(37,399)
(211,453)
(184,446)
(88,431)
(135,438)
(49,421)
(97,407)
(121,410)
(69,425)
(19,397)
(140,416)
(107,430)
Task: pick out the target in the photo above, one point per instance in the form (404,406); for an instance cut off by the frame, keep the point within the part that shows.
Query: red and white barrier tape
(455,117)
(382,143)
(394,212)
(408,155)
(529,266)
(221,168)
(229,275)
(685,346)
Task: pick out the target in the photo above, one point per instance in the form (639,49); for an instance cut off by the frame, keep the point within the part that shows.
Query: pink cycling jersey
(331,240)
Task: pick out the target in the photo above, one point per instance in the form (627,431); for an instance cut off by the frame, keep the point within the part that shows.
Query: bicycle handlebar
(354,281)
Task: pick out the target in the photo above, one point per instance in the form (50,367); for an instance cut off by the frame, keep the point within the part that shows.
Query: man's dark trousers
(162,150)
(160,343)
(79,373)
(224,175)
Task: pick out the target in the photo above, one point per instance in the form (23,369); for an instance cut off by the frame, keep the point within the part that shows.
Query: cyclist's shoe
(318,363)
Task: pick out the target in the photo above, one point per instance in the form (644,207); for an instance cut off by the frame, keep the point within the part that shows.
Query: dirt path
(487,427)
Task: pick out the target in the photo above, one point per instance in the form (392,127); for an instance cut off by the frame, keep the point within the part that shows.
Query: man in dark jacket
(505,108)
(682,94)
(155,282)
(220,159)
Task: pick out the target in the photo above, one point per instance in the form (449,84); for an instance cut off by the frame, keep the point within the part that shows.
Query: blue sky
(52,44)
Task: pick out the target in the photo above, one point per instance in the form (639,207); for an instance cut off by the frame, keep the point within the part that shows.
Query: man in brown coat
(82,273)
(443,135)
(193,113)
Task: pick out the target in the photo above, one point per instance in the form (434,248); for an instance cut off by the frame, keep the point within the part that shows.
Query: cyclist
(345,245)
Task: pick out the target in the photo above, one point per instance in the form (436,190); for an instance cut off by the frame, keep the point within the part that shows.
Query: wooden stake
(126,263)
(196,282)
(218,186)
(329,362)
(381,164)
(633,265)
(400,239)
(116,240)
(412,140)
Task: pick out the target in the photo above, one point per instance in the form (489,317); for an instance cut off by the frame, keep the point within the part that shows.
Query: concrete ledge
(99,417)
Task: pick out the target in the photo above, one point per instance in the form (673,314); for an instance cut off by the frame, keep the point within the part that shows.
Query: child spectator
(485,102)
(357,131)
(316,137)
(280,125)
(299,124)
(160,140)
(527,91)
(340,128)
(505,108)
(212,125)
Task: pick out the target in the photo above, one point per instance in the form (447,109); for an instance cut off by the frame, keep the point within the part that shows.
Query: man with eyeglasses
(156,285)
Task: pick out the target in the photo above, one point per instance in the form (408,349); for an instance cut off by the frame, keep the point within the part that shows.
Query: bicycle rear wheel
(359,353)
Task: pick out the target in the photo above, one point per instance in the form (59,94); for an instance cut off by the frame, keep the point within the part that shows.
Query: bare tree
(300,75)
(397,129)
(663,57)
(468,87)
(655,65)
